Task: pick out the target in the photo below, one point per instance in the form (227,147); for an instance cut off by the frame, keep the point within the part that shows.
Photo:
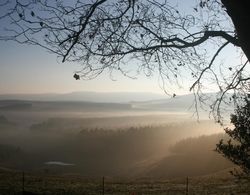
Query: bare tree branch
(208,67)
(132,37)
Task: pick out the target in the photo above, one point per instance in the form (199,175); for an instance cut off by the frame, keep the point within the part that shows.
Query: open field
(11,182)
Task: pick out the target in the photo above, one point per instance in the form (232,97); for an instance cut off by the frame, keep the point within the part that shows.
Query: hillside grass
(220,183)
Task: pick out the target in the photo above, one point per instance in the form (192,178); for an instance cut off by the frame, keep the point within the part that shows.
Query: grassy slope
(219,183)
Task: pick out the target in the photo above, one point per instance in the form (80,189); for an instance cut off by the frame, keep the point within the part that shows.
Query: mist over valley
(130,139)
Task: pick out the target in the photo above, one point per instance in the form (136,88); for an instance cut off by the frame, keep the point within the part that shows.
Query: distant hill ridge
(89,96)
(102,100)
(105,100)
(27,105)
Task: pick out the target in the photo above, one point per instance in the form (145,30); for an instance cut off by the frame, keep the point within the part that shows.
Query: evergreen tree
(237,148)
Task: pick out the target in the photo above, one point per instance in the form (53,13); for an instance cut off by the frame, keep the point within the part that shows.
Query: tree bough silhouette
(135,36)
(237,148)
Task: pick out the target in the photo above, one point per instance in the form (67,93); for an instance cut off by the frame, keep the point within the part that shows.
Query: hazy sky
(30,69)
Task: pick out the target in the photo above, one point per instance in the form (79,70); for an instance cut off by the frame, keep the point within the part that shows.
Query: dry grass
(220,183)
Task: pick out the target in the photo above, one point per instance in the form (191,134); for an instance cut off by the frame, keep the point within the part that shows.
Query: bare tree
(135,36)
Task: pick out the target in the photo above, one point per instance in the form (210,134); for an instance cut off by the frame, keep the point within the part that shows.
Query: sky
(31,69)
